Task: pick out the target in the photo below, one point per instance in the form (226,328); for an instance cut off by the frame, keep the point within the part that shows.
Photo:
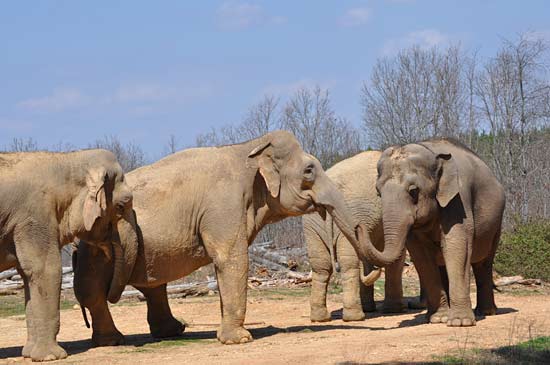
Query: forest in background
(497,106)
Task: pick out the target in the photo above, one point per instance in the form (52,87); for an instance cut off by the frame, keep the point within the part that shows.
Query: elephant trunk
(327,197)
(125,248)
(371,277)
(397,221)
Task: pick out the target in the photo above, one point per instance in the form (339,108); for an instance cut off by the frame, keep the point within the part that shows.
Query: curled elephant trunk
(125,247)
(397,223)
(327,197)
(371,277)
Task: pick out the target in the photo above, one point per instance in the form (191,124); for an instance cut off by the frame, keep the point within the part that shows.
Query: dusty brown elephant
(206,205)
(443,202)
(46,201)
(355,177)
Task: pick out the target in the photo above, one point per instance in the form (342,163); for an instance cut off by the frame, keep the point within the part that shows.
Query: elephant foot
(417,303)
(461,318)
(26,352)
(440,316)
(393,307)
(107,339)
(233,335)
(47,352)
(480,312)
(351,315)
(319,315)
(169,328)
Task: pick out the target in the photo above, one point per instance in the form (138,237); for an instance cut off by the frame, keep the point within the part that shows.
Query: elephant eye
(309,172)
(413,192)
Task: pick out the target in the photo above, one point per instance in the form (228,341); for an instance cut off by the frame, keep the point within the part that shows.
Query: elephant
(47,200)
(441,201)
(355,177)
(206,205)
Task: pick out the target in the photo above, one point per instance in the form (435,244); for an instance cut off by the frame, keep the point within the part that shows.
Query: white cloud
(60,99)
(355,17)
(241,15)
(425,38)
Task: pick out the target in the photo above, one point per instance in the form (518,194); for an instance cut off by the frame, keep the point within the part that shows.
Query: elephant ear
(449,184)
(96,200)
(262,158)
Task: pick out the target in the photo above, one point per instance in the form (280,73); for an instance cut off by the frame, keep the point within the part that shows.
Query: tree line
(498,106)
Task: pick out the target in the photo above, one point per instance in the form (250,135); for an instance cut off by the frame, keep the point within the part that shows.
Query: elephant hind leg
(483,272)
(162,323)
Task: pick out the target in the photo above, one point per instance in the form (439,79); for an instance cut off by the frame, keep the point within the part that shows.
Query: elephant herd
(161,222)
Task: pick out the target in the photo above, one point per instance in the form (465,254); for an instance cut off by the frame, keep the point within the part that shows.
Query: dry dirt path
(284,335)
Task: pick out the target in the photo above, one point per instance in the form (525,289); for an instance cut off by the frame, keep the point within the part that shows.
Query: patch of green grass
(277,293)
(148,347)
(534,351)
(14,305)
(177,342)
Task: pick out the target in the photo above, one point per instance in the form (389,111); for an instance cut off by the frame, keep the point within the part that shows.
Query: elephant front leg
(430,279)
(159,316)
(42,273)
(232,275)
(457,253)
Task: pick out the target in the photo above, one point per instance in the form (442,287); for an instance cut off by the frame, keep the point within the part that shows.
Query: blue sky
(74,71)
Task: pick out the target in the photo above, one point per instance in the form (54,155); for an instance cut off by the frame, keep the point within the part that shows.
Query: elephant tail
(85,317)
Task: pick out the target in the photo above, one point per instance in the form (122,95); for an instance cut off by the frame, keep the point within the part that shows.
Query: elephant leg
(436,299)
(41,270)
(321,267)
(393,287)
(349,263)
(232,273)
(483,272)
(91,284)
(457,250)
(419,302)
(29,345)
(162,323)
(366,292)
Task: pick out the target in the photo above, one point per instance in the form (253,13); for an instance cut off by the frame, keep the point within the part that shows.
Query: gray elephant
(207,205)
(443,202)
(46,201)
(355,177)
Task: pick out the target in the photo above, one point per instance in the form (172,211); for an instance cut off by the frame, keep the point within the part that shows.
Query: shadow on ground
(139,340)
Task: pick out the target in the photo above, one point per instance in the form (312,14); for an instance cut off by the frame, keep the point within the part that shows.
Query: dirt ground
(279,322)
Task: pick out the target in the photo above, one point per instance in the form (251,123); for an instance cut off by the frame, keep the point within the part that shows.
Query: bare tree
(130,156)
(513,89)
(416,95)
(23,145)
(310,117)
(171,146)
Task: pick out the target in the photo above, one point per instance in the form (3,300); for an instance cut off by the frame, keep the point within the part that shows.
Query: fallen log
(7,274)
(518,279)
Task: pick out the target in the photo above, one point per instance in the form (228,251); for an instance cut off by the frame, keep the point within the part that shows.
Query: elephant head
(414,183)
(296,183)
(104,214)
